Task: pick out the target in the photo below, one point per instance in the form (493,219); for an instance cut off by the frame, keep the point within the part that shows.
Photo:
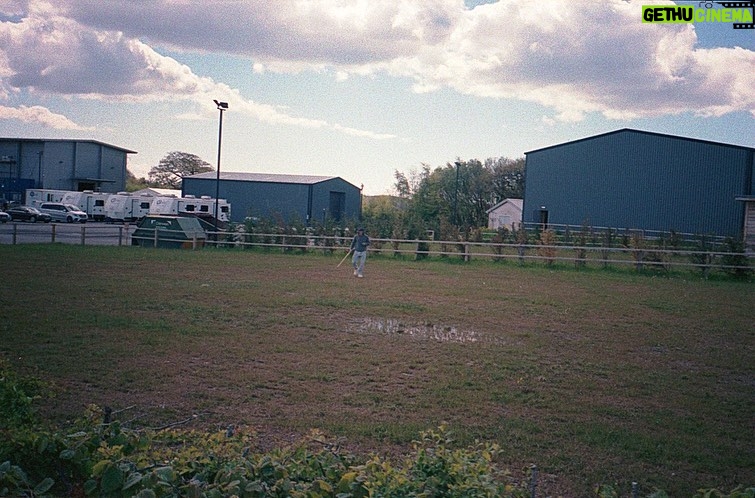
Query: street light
(222,106)
(456,195)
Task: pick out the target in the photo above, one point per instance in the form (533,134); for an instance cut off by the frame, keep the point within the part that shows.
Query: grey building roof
(625,130)
(264,177)
(122,149)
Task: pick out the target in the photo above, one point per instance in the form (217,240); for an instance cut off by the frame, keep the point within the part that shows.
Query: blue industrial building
(60,164)
(304,197)
(641,180)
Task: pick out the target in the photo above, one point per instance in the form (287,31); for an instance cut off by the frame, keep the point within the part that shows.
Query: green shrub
(735,262)
(97,456)
(16,397)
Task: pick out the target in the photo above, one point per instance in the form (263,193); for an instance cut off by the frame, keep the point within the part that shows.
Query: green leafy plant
(738,492)
(16,397)
(735,262)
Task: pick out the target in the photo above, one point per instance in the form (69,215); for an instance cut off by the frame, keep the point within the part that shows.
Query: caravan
(201,207)
(92,203)
(36,196)
(126,207)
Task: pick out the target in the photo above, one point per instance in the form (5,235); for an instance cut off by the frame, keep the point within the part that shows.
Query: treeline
(450,201)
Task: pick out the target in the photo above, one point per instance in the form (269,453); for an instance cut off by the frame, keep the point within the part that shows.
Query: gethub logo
(739,13)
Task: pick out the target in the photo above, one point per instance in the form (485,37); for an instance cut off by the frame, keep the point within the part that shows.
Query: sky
(361,89)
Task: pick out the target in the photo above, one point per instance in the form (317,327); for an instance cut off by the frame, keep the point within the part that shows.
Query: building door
(543,218)
(337,205)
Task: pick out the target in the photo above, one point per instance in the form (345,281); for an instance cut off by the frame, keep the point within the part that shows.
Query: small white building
(507,213)
(748,231)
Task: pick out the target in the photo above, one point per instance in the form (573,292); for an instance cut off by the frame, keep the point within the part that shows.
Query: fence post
(635,490)
(53,233)
(533,482)
(15,232)
(83,235)
(120,236)
(155,238)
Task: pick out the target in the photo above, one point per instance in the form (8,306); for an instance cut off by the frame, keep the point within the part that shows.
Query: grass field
(595,376)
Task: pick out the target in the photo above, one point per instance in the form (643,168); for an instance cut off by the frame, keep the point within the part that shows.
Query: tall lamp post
(222,106)
(456,195)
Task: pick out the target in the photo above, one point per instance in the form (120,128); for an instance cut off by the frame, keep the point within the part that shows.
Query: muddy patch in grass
(421,331)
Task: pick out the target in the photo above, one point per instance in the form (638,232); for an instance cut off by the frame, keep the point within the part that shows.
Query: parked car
(63,212)
(4,217)
(28,213)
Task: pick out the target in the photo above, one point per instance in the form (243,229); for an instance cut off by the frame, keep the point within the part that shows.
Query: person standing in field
(359,245)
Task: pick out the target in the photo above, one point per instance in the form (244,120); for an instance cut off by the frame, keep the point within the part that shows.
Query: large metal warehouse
(306,197)
(61,165)
(640,180)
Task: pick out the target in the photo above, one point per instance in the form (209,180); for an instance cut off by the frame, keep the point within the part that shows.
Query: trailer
(124,206)
(92,203)
(36,196)
(202,207)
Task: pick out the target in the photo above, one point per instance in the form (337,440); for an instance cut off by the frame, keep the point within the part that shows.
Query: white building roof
(517,203)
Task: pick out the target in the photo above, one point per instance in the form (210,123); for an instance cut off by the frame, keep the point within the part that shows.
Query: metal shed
(308,197)
(76,165)
(643,180)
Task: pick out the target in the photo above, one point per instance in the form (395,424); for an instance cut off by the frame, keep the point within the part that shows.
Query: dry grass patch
(594,376)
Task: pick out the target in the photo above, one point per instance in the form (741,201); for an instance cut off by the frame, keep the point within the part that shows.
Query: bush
(100,457)
(735,262)
(16,396)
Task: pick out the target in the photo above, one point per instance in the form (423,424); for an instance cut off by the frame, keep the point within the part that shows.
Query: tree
(455,198)
(133,183)
(402,187)
(460,193)
(174,167)
(508,177)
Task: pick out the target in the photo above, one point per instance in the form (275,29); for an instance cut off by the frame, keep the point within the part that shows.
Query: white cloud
(42,116)
(47,53)
(574,57)
(580,57)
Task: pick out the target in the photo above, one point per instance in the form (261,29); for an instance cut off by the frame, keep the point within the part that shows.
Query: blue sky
(362,88)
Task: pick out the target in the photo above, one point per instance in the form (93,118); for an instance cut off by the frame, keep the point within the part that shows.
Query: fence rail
(83,234)
(649,256)
(640,257)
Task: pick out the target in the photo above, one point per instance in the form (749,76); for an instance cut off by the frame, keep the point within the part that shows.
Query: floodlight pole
(456,195)
(222,106)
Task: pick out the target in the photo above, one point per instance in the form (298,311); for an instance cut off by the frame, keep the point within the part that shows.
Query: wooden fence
(65,233)
(645,254)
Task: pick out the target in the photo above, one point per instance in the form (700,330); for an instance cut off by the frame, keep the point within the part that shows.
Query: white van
(63,212)
(92,203)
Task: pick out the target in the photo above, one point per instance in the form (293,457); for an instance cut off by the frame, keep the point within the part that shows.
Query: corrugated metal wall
(288,200)
(634,179)
(64,162)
